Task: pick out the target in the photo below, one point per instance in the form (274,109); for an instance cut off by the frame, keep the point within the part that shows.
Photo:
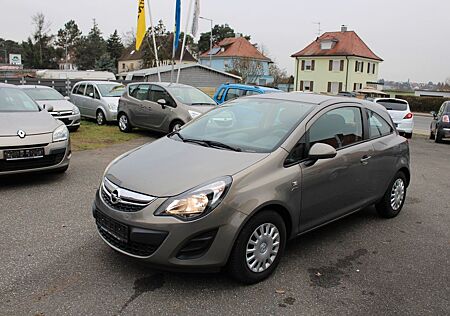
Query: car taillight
(446,119)
(408,116)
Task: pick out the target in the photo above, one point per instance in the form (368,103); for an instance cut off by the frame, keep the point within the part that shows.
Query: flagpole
(184,39)
(154,39)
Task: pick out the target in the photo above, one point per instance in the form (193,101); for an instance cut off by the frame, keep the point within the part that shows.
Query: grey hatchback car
(230,188)
(30,138)
(161,106)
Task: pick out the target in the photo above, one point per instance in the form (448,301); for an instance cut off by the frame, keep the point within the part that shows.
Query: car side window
(96,94)
(140,92)
(441,110)
(80,89)
(158,93)
(378,126)
(251,92)
(89,90)
(233,93)
(339,128)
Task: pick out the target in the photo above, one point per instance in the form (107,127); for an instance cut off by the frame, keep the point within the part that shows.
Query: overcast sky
(412,36)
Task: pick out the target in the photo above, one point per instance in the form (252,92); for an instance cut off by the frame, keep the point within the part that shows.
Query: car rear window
(394,105)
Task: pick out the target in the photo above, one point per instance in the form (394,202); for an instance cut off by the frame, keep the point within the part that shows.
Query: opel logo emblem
(21,133)
(115,198)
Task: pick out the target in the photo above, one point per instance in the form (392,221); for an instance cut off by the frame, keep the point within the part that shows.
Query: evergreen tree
(90,48)
(220,32)
(114,47)
(68,36)
(105,63)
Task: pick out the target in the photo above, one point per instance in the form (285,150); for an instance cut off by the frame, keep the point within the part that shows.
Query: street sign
(15,59)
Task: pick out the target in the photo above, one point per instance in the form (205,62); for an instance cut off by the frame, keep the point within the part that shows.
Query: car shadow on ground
(29,179)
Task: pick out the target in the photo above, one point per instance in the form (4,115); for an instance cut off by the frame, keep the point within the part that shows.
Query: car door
(137,101)
(78,98)
(89,100)
(158,115)
(437,118)
(333,187)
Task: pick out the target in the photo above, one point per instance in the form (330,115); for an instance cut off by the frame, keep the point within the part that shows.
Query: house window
(373,68)
(326,45)
(306,85)
(308,65)
(334,87)
(336,65)
(357,86)
(359,66)
(123,65)
(131,66)
(368,67)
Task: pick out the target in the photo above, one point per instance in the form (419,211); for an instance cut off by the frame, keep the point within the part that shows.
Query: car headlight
(194,114)
(75,110)
(60,134)
(196,202)
(112,106)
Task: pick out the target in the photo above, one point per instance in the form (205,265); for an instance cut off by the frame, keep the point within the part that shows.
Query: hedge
(424,104)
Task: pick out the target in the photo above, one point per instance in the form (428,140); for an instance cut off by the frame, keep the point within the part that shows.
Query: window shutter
(373,68)
(330,65)
(313,64)
(303,65)
(301,85)
(362,66)
(368,68)
(356,66)
(340,87)
(342,65)
(311,86)
(354,86)
(329,87)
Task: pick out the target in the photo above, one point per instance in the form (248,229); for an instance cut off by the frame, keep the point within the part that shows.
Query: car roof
(247,86)
(97,81)
(7,85)
(32,86)
(389,99)
(162,84)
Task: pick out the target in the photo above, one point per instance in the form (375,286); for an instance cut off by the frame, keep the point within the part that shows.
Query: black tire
(100,117)
(431,135)
(384,207)
(173,126)
(124,123)
(438,136)
(73,129)
(237,264)
(408,135)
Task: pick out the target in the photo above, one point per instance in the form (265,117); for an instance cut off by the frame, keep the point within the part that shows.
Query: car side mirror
(163,103)
(48,108)
(433,113)
(67,98)
(322,151)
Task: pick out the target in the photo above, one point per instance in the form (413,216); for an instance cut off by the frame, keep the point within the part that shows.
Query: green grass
(92,136)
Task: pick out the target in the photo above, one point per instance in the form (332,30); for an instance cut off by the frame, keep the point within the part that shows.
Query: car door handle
(365,159)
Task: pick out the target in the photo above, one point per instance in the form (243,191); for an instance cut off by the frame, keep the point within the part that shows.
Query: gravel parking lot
(53,262)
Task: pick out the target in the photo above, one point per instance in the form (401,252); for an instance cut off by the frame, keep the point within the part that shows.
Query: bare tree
(248,69)
(279,75)
(41,33)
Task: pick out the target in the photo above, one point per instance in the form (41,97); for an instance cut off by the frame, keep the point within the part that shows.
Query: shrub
(424,104)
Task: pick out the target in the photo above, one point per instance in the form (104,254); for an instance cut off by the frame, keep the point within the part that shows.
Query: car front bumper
(167,242)
(72,120)
(445,132)
(56,154)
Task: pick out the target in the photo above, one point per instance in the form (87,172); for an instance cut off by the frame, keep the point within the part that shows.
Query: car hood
(58,105)
(201,108)
(112,100)
(168,167)
(32,123)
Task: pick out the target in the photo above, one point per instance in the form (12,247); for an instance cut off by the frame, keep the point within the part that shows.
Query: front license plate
(112,227)
(20,154)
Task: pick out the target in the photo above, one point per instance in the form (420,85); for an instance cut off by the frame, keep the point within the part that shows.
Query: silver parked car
(97,99)
(161,106)
(30,138)
(232,186)
(63,110)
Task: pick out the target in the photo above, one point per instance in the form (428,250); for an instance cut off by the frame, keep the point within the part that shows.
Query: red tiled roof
(236,47)
(347,43)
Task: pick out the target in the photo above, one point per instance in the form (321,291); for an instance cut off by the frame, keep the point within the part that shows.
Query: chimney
(343,28)
(237,35)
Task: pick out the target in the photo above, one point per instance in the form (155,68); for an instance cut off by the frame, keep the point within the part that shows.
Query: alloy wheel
(397,194)
(123,122)
(100,118)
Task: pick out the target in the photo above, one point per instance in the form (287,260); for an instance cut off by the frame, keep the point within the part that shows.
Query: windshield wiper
(202,103)
(213,143)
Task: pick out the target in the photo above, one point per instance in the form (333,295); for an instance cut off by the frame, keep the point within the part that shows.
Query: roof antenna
(319,30)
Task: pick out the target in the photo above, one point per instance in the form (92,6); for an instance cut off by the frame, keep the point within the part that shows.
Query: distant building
(132,60)
(336,62)
(233,53)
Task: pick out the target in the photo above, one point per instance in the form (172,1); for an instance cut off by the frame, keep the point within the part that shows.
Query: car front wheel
(100,117)
(392,202)
(258,248)
(124,123)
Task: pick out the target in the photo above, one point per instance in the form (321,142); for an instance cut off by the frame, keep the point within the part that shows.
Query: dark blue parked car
(232,91)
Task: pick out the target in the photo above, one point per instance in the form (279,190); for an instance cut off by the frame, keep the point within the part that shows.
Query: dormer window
(327,44)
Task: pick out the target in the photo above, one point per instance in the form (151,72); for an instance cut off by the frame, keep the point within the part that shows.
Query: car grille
(65,121)
(62,113)
(118,234)
(125,200)
(26,164)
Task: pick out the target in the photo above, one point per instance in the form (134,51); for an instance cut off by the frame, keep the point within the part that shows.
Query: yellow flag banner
(141,26)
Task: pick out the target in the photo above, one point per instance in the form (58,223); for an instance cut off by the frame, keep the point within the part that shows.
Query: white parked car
(400,113)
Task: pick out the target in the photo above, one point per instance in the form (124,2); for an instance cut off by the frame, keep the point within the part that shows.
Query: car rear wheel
(124,123)
(258,248)
(392,202)
(431,134)
(438,136)
(100,117)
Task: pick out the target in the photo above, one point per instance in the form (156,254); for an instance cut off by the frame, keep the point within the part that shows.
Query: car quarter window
(378,126)
(140,92)
(252,92)
(96,93)
(80,89)
(220,95)
(339,127)
(297,153)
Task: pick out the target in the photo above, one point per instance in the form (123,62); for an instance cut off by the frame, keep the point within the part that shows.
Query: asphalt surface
(422,123)
(53,262)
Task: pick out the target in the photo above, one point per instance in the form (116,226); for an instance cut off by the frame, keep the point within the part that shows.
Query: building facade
(336,62)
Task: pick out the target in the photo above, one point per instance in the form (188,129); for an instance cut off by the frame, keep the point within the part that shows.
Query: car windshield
(41,94)
(190,96)
(394,105)
(250,125)
(111,89)
(15,100)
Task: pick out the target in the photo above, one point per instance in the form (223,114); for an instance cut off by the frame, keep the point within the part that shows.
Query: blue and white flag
(196,17)
(176,38)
